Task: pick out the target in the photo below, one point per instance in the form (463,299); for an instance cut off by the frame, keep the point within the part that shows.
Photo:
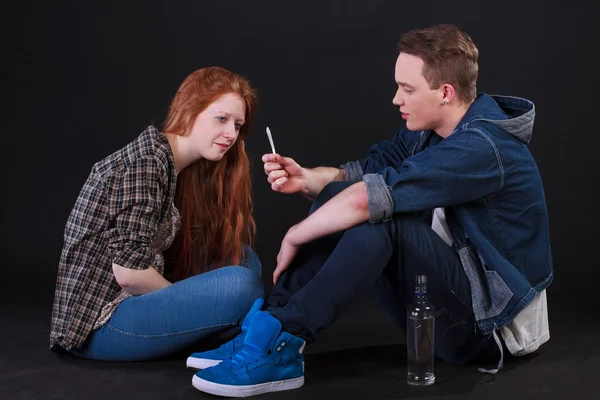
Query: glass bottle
(420,330)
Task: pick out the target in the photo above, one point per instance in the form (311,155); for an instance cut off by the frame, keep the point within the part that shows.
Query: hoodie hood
(515,115)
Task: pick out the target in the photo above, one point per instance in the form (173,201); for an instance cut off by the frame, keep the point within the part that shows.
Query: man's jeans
(329,273)
(165,321)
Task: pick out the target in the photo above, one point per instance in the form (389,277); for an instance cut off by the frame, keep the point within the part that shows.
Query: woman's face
(217,128)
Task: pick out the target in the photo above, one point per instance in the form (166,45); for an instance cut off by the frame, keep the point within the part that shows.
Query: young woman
(184,190)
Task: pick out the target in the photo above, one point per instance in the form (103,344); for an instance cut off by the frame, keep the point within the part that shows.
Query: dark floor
(361,356)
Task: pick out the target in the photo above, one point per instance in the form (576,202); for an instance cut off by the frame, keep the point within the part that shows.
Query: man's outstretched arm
(347,209)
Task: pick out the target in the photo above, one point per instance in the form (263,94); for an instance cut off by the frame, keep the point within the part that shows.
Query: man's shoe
(211,358)
(270,361)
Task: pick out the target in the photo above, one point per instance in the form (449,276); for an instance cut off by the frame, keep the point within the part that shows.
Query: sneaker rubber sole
(246,390)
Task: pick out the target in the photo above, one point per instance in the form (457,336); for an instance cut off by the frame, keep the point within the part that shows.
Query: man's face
(420,106)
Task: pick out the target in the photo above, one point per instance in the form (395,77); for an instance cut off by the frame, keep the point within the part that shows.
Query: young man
(455,195)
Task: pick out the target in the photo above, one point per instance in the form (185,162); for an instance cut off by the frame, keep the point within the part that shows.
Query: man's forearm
(320,177)
(349,208)
(139,281)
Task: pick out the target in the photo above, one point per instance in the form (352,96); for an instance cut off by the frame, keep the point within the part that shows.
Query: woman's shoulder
(149,149)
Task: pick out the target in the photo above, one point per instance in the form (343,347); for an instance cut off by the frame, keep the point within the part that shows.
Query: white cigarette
(271,140)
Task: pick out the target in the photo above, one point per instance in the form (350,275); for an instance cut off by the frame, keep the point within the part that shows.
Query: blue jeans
(168,320)
(329,273)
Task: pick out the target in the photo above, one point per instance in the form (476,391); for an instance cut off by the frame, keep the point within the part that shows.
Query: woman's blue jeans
(168,320)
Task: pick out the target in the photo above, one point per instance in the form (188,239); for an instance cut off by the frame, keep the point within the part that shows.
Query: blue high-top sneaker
(210,358)
(270,361)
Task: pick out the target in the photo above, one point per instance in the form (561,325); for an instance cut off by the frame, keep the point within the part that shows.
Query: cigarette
(271,140)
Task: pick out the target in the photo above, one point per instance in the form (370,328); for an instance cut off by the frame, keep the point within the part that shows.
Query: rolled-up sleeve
(352,171)
(135,203)
(381,205)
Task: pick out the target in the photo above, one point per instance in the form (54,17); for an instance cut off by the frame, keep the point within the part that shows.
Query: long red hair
(214,198)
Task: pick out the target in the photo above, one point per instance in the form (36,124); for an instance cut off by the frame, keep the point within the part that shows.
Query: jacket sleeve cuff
(353,171)
(381,204)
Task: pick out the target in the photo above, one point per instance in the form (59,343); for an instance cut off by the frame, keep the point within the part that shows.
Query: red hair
(214,198)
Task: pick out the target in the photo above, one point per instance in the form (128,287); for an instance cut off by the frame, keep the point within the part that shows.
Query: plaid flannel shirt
(124,215)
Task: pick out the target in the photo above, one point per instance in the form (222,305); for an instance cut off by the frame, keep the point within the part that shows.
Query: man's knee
(391,229)
(329,191)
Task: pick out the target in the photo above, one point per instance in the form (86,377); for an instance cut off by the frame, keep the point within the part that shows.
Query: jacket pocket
(489,292)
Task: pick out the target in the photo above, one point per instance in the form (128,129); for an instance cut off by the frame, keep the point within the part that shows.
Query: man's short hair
(450,56)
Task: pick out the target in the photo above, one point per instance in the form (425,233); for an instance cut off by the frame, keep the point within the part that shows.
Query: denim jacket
(489,185)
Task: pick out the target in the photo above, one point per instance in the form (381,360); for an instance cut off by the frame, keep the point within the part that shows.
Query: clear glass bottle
(420,330)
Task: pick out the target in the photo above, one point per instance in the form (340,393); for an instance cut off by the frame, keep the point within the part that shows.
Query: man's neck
(454,115)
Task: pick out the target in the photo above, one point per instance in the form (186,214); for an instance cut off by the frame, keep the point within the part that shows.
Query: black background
(90,76)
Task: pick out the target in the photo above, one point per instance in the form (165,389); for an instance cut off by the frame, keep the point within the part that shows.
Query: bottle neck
(420,293)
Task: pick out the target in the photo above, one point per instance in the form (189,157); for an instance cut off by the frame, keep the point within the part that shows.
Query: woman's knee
(244,288)
(232,282)
(243,282)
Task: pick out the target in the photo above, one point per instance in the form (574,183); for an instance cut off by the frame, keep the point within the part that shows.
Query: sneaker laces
(237,343)
(246,357)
